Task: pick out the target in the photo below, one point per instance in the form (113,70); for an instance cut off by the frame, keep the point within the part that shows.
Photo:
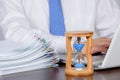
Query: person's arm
(107,17)
(16,27)
(107,21)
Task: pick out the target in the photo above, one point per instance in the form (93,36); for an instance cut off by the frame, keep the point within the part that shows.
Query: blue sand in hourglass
(78,48)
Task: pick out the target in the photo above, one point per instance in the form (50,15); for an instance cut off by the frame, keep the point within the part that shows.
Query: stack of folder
(30,55)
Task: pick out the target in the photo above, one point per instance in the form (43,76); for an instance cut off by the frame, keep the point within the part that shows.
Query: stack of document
(30,55)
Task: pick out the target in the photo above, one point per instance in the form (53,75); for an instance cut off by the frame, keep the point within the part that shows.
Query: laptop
(102,61)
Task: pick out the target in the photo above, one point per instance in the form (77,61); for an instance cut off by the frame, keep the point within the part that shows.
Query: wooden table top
(57,73)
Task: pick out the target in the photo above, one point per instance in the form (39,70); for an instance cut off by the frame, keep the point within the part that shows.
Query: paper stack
(30,55)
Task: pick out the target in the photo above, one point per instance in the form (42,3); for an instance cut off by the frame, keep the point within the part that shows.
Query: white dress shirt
(23,17)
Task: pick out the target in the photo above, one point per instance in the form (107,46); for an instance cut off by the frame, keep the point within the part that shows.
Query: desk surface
(58,74)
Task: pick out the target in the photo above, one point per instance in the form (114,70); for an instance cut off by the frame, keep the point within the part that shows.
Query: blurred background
(2,37)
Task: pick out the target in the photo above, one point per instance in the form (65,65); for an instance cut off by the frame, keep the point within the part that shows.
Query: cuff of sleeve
(59,44)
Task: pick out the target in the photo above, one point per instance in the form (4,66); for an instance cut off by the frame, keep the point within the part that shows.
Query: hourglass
(86,70)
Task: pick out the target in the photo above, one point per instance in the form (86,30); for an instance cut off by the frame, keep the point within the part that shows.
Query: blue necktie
(57,26)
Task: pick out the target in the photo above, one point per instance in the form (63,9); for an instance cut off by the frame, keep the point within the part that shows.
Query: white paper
(17,57)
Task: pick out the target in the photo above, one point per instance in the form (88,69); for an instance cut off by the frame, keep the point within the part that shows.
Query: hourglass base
(74,72)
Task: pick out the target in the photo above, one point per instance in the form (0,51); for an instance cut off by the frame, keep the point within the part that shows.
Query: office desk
(58,74)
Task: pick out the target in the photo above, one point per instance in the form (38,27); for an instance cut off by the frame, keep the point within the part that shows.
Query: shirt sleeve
(14,23)
(107,17)
(59,44)
(16,27)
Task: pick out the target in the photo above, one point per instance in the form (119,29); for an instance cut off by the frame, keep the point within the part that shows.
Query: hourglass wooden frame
(88,70)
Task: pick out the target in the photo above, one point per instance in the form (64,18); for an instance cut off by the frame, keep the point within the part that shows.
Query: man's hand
(98,45)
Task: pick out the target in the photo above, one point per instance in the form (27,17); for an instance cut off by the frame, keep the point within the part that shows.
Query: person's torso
(78,14)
